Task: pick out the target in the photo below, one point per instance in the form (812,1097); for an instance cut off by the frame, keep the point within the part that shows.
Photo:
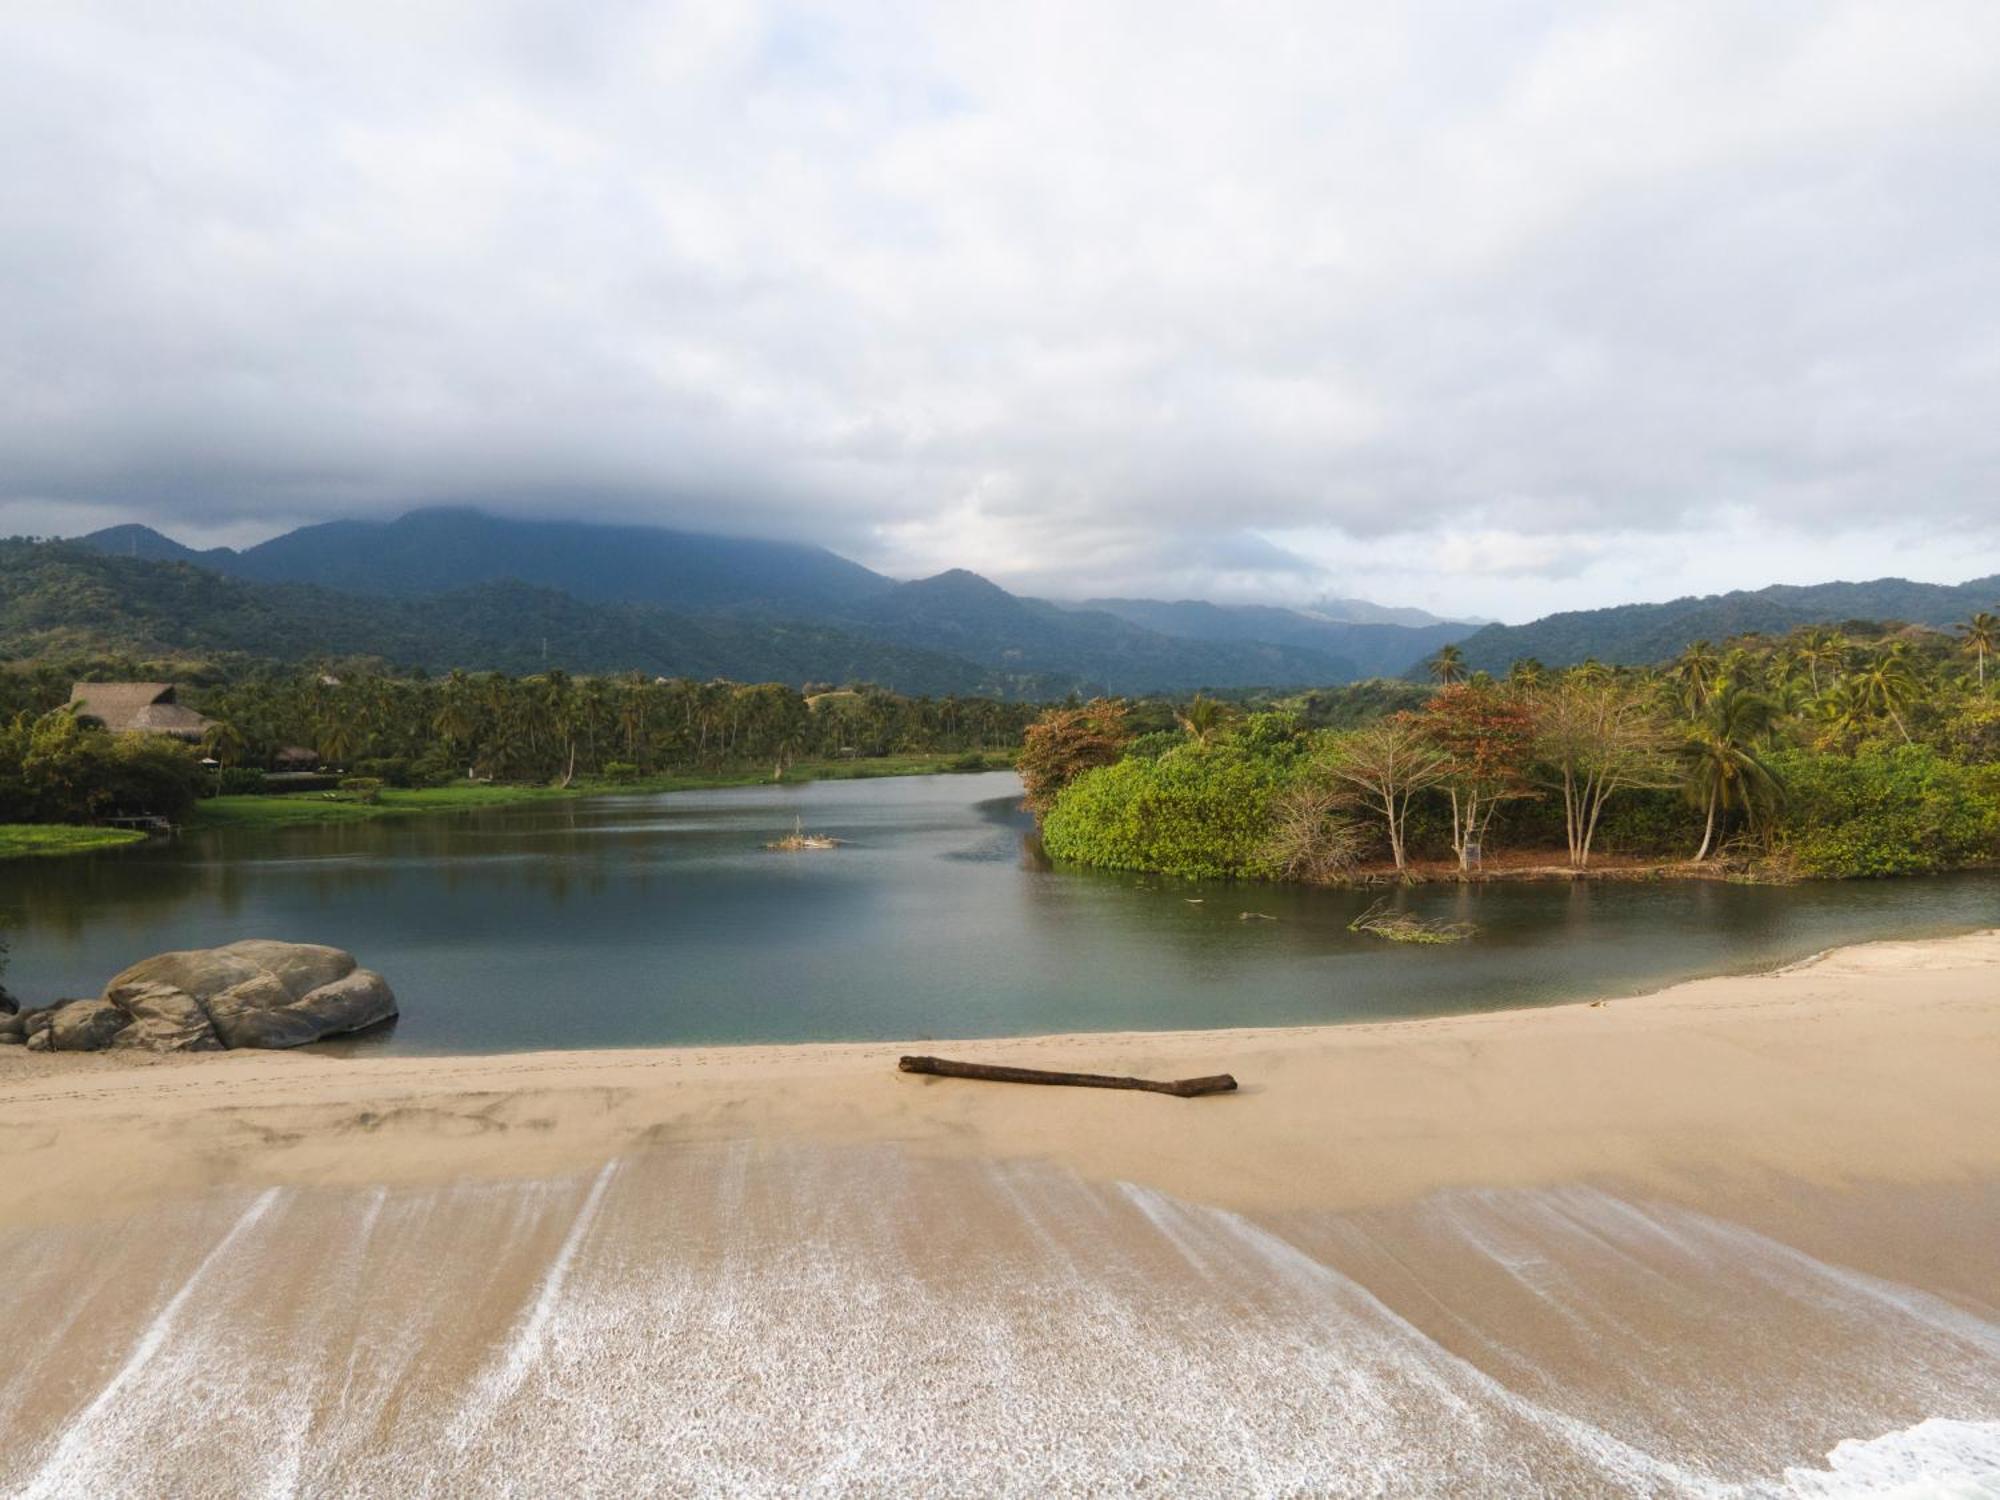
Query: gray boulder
(13,1029)
(164,1019)
(263,1012)
(85,1026)
(254,993)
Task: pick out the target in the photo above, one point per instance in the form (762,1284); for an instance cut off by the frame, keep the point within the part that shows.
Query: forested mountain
(437,551)
(460,588)
(58,600)
(1643,634)
(745,590)
(1370,649)
(956,633)
(1367,612)
(967,615)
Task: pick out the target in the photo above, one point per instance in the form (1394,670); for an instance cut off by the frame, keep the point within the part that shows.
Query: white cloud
(1456,303)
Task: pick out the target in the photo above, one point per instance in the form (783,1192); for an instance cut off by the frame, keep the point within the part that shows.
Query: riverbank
(34,840)
(1872,1063)
(319,807)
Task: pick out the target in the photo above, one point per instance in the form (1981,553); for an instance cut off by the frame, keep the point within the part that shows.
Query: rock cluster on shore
(255,993)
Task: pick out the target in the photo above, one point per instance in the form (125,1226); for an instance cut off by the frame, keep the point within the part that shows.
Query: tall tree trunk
(1707,833)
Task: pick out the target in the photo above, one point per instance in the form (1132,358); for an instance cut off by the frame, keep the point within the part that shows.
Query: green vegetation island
(1819,753)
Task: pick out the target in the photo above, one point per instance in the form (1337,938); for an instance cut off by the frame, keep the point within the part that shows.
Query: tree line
(413,731)
(552,726)
(1820,752)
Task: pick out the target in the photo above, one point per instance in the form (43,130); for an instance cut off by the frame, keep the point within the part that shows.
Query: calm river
(625,921)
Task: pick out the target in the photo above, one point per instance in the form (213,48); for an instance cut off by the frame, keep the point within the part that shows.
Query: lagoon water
(660,919)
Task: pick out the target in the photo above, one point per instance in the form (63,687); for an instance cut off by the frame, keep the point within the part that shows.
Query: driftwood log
(1183,1088)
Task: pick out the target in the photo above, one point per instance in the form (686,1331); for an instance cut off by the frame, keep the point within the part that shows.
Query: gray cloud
(1510,311)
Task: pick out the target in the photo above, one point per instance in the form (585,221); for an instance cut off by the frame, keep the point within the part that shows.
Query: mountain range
(1641,634)
(624,578)
(455,587)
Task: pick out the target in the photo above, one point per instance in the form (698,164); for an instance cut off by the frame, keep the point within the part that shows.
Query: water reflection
(654,919)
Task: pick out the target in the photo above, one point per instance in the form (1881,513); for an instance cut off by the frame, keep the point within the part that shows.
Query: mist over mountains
(457,587)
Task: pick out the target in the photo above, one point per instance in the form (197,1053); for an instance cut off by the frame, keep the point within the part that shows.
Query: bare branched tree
(1384,766)
(1596,736)
(1313,838)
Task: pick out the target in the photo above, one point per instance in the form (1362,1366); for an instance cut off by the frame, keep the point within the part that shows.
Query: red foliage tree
(1488,734)
(1064,743)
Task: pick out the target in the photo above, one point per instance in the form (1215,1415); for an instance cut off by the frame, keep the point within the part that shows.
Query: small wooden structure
(138,708)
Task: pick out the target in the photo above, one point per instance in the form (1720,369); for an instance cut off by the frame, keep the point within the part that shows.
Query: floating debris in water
(798,838)
(1402,927)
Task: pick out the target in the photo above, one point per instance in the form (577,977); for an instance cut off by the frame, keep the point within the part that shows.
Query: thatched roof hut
(138,708)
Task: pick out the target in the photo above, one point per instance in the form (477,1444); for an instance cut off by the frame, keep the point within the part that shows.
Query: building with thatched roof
(138,708)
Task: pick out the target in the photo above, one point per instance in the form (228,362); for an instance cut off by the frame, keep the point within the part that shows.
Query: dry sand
(1875,1064)
(1635,1248)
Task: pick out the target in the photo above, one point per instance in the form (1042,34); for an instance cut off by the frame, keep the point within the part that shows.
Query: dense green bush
(240,781)
(56,769)
(362,788)
(393,770)
(1887,810)
(1194,811)
(1154,745)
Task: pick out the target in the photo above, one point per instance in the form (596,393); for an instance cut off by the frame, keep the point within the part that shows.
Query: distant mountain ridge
(1017,644)
(1368,649)
(435,551)
(688,603)
(60,599)
(1366,612)
(1643,634)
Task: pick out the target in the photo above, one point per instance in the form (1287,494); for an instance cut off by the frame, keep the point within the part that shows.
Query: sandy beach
(1873,1064)
(1741,1236)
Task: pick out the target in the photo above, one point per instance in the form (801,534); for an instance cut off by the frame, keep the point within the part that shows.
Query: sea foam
(739,1319)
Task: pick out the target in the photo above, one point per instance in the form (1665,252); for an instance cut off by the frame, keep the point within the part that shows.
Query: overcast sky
(1496,309)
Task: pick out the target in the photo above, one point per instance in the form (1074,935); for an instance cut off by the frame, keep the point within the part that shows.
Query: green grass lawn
(318,807)
(23,839)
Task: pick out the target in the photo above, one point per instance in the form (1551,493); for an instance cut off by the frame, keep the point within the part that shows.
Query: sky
(1493,309)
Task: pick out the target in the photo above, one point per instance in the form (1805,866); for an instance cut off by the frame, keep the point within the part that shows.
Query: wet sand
(1742,1236)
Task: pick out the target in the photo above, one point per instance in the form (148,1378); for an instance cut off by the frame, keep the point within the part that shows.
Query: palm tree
(1821,647)
(338,735)
(1697,670)
(1720,763)
(1843,712)
(457,718)
(224,742)
(1448,666)
(1980,635)
(1527,672)
(1203,718)
(1887,684)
